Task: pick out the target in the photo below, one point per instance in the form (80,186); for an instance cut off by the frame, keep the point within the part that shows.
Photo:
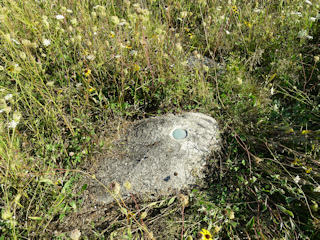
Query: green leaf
(77,119)
(250,223)
(35,218)
(73,205)
(285,210)
(84,187)
(171,200)
(46,180)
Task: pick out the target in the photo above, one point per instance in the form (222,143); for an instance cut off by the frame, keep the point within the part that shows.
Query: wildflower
(183,14)
(91,89)
(12,124)
(91,57)
(302,33)
(227,32)
(231,215)
(16,116)
(46,42)
(112,34)
(26,42)
(115,20)
(71,154)
(114,187)
(217,229)
(248,24)
(296,179)
(122,23)
(50,83)
(1,68)
(272,91)
(235,9)
(134,53)
(136,67)
(8,97)
(317,189)
(184,200)
(304,132)
(23,55)
(6,214)
(87,72)
(206,235)
(75,234)
(59,17)
(313,19)
(296,162)
(178,47)
(316,58)
(127,185)
(74,21)
(69,11)
(308,169)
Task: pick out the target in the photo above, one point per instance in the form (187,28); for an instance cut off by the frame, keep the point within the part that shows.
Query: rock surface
(158,155)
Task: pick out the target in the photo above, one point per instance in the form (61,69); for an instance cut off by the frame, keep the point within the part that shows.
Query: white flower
(309,37)
(307,1)
(115,20)
(59,17)
(16,116)
(317,189)
(74,21)
(227,32)
(46,42)
(313,19)
(2,110)
(8,97)
(122,23)
(272,91)
(302,33)
(134,53)
(297,13)
(91,57)
(296,179)
(69,11)
(12,124)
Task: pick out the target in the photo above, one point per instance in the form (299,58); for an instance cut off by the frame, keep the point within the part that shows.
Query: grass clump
(73,73)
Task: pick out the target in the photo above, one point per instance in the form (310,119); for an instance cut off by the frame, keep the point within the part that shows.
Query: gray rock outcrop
(158,155)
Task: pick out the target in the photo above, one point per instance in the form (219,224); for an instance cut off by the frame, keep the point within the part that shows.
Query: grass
(74,73)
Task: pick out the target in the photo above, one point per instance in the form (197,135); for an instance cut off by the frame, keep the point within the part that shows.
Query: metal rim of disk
(179,134)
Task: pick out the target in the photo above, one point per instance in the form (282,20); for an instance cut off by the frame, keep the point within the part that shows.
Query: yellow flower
(86,52)
(235,9)
(308,169)
(248,24)
(87,72)
(91,89)
(206,234)
(136,67)
(296,162)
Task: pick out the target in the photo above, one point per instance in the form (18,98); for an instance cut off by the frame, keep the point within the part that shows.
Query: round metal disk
(179,134)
